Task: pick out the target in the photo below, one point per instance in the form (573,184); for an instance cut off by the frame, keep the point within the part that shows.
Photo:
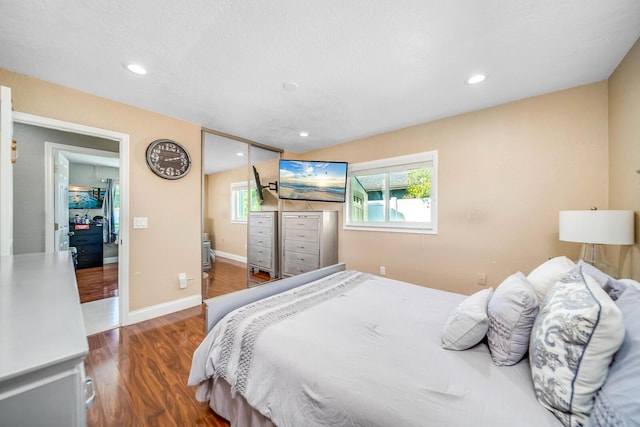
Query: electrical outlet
(482,279)
(383,270)
(182,280)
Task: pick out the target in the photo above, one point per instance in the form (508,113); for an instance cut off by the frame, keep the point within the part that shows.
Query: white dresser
(263,242)
(43,342)
(309,241)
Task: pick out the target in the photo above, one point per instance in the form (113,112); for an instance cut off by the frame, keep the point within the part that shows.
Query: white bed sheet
(372,356)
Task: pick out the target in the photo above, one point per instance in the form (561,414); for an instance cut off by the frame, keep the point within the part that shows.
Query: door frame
(124,154)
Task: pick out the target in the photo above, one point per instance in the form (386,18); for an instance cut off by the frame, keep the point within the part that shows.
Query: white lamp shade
(600,227)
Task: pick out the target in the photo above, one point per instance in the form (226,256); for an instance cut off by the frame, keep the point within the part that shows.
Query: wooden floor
(140,371)
(96,283)
(140,374)
(227,276)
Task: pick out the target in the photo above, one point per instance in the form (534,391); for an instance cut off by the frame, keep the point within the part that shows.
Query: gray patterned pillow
(618,401)
(572,343)
(512,310)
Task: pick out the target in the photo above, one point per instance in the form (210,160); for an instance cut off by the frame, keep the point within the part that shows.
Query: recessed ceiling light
(476,78)
(304,134)
(136,69)
(290,86)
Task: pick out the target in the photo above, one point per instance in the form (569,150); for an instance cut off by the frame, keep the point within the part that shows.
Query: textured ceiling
(361,67)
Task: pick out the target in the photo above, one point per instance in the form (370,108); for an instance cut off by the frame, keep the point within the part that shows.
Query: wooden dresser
(309,241)
(87,239)
(44,342)
(263,242)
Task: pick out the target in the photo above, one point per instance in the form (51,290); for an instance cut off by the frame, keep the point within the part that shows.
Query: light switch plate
(140,222)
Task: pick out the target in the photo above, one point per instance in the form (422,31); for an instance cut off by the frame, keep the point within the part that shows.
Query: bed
(336,347)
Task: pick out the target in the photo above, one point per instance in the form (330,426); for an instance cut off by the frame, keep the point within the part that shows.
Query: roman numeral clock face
(168,159)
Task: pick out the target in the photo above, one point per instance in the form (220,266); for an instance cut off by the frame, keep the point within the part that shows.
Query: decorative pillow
(611,286)
(547,274)
(512,310)
(618,401)
(572,343)
(630,282)
(468,322)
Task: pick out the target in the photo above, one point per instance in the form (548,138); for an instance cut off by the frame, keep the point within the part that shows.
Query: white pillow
(512,310)
(572,344)
(630,282)
(468,322)
(547,274)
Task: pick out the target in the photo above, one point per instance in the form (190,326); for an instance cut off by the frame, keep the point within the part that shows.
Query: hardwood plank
(97,282)
(141,372)
(108,382)
(228,276)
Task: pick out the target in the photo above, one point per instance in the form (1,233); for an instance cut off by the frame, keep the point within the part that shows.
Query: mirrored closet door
(262,232)
(230,197)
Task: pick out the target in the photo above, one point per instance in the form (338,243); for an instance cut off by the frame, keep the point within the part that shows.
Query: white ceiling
(362,67)
(88,159)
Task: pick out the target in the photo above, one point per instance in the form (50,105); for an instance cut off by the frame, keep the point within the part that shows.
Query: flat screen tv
(314,181)
(85,197)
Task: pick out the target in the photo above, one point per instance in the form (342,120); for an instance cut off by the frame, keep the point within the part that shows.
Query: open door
(6,172)
(61,202)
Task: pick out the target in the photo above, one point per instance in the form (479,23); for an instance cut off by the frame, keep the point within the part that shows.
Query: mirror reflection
(230,196)
(262,252)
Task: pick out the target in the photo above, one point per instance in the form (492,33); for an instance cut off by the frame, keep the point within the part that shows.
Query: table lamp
(596,227)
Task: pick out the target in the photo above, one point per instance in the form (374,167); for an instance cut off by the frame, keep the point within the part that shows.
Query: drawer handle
(90,390)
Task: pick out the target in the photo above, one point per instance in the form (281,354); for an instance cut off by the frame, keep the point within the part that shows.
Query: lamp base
(595,255)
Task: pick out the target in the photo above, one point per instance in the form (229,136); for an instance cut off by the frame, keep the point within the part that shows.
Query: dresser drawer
(303,235)
(302,258)
(301,223)
(89,249)
(263,241)
(293,267)
(85,239)
(302,246)
(261,231)
(260,256)
(89,260)
(261,221)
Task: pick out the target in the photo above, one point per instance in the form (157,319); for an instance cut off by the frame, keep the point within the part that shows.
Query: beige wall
(226,236)
(624,152)
(171,244)
(504,173)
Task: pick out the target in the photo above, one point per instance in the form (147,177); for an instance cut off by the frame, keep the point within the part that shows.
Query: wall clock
(168,159)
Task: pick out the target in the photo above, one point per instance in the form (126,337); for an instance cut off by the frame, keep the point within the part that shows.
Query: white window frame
(393,164)
(240,186)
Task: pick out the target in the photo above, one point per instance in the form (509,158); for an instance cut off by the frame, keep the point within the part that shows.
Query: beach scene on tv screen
(324,181)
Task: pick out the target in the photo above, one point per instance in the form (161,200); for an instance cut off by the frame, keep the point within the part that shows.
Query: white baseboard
(154,311)
(110,260)
(230,256)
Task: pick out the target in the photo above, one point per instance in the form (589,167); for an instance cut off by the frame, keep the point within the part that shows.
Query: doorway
(45,218)
(86,220)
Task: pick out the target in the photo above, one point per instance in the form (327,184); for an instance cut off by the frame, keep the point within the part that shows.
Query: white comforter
(362,351)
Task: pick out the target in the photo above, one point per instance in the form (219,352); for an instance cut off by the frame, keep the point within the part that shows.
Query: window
(239,205)
(394,194)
